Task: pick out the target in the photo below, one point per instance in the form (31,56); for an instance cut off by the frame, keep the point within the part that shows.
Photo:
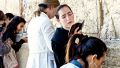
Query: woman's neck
(66,28)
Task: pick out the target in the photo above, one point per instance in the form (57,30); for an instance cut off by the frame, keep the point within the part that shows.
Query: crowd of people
(63,47)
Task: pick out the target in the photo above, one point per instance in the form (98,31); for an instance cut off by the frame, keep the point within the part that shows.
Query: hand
(8,42)
(76,29)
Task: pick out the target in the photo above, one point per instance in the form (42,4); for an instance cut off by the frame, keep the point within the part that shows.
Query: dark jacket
(59,41)
(16,45)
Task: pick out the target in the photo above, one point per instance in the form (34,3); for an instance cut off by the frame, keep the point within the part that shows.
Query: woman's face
(20,27)
(66,17)
(96,63)
(99,62)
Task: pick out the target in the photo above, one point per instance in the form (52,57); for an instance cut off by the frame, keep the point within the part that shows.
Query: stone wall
(13,6)
(113,59)
(101,18)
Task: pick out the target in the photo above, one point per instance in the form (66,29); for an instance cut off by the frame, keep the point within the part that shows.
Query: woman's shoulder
(61,30)
(69,65)
(60,35)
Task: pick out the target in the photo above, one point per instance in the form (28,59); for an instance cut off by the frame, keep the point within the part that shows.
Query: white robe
(40,31)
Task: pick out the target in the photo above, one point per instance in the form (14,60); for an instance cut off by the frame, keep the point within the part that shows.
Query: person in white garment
(40,31)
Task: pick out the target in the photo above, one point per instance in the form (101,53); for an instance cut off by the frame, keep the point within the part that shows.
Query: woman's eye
(70,13)
(63,16)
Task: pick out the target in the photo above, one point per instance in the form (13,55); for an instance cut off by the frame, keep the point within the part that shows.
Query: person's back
(36,41)
(35,35)
(40,31)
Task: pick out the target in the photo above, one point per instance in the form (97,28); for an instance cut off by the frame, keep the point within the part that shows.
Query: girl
(89,52)
(4,49)
(65,17)
(14,27)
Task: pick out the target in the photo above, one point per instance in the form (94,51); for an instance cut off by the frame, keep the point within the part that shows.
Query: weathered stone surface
(113,57)
(13,6)
(112,14)
(101,17)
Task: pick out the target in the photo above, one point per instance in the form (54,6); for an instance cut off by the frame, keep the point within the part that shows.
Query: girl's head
(2,20)
(2,16)
(9,16)
(48,7)
(16,24)
(90,49)
(65,16)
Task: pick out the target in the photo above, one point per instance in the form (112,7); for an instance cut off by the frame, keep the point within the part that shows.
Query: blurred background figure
(9,16)
(2,21)
(2,25)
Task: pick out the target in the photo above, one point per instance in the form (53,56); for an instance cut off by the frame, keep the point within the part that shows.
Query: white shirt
(69,65)
(40,31)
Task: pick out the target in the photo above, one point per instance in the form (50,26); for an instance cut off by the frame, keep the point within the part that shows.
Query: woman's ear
(94,57)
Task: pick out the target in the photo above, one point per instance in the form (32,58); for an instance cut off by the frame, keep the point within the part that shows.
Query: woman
(65,17)
(9,17)
(14,27)
(40,31)
(4,49)
(90,52)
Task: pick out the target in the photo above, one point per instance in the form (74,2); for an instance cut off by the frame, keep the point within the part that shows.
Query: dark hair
(41,8)
(2,15)
(87,46)
(60,7)
(74,26)
(12,27)
(9,15)
(2,18)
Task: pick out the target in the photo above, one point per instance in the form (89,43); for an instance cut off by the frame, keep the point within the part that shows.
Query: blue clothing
(72,64)
(75,62)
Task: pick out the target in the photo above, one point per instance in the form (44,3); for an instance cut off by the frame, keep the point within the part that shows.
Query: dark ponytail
(86,46)
(41,8)
(71,49)
(74,26)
